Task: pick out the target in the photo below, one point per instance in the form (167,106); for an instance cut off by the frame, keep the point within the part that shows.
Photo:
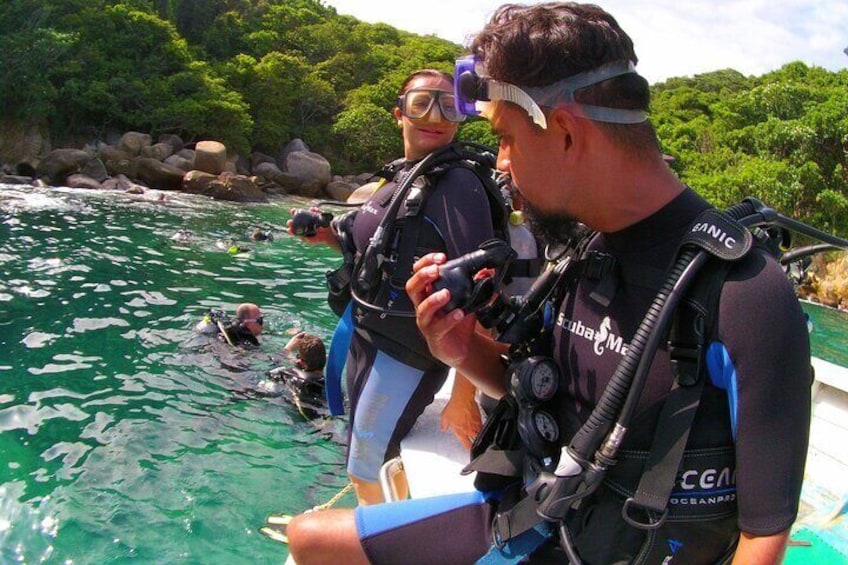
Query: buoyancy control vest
(382,311)
(617,506)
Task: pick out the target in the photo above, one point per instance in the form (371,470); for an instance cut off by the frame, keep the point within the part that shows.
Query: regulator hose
(611,405)
(366,274)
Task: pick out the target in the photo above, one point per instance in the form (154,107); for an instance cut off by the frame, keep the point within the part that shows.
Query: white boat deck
(823,516)
(827,458)
(432,459)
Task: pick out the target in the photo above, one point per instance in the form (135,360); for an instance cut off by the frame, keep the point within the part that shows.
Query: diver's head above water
(249,317)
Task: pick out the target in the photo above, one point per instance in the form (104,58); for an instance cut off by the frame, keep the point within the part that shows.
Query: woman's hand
(322,235)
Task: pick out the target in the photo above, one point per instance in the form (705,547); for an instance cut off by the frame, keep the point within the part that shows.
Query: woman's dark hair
(541,44)
(424,73)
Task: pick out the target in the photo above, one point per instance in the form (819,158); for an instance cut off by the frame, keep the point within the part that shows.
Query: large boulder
(176,142)
(79,180)
(95,168)
(269,171)
(158,151)
(197,182)
(180,162)
(60,163)
(117,161)
(133,142)
(363,178)
(311,169)
(243,165)
(159,175)
(340,189)
(257,158)
(236,188)
(291,147)
(186,153)
(210,157)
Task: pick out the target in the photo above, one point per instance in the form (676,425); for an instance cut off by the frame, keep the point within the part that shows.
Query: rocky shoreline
(132,162)
(826,282)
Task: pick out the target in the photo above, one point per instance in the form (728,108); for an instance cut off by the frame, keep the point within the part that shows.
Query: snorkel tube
(593,449)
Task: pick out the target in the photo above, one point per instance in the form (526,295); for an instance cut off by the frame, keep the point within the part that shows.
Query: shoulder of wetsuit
(498,207)
(240,335)
(389,170)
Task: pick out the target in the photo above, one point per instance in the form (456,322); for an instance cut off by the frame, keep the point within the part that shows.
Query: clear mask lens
(416,104)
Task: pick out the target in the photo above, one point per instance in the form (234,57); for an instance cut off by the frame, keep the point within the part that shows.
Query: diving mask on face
(416,103)
(475,91)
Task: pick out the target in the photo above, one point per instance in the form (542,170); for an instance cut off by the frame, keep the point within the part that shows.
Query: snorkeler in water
(303,383)
(243,330)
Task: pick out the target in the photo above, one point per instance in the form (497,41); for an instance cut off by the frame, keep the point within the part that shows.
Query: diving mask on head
(475,91)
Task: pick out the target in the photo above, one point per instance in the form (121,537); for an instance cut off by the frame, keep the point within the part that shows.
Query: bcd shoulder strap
(690,328)
(726,241)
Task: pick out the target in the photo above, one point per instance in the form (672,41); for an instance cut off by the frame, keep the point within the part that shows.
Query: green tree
(366,137)
(478,131)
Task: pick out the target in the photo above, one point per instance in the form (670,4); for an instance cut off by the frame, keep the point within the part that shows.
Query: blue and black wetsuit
(391,377)
(756,403)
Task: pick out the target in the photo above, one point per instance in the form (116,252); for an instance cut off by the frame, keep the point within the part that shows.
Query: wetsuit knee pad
(385,397)
(424,531)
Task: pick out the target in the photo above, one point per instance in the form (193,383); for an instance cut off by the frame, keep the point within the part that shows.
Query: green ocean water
(124,436)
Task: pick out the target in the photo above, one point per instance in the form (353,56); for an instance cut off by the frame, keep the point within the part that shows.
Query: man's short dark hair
(311,351)
(541,44)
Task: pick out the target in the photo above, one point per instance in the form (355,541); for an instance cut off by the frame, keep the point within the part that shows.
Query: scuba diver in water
(303,384)
(391,375)
(705,460)
(243,330)
(259,234)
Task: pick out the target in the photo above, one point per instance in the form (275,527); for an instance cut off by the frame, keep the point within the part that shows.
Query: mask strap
(563,91)
(511,93)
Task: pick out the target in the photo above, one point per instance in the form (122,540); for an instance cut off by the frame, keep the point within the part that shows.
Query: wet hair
(310,350)
(541,44)
(432,73)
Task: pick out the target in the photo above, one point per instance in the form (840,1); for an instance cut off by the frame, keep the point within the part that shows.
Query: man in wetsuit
(243,330)
(578,149)
(303,384)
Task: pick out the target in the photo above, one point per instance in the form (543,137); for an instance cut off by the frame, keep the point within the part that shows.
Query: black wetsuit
(389,389)
(304,389)
(758,398)
(759,361)
(239,335)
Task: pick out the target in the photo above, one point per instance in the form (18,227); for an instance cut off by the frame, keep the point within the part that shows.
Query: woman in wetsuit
(391,377)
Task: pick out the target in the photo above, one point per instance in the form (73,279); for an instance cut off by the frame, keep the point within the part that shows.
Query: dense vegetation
(257,73)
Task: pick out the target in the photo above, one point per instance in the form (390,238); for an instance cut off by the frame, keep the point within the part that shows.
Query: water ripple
(82,325)
(36,340)
(27,529)
(74,363)
(31,418)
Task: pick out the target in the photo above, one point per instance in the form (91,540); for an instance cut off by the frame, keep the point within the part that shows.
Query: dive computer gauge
(546,426)
(534,380)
